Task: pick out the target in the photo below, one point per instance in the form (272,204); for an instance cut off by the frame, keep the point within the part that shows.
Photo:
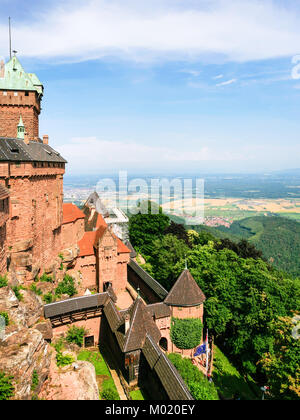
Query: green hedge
(186,333)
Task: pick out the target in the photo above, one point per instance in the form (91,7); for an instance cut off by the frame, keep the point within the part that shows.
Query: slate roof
(170,378)
(75,304)
(185,292)
(4,192)
(159,310)
(157,288)
(16,150)
(141,324)
(71,213)
(133,252)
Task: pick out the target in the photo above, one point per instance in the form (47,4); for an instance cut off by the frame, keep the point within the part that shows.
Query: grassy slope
(104,378)
(228,381)
(277,237)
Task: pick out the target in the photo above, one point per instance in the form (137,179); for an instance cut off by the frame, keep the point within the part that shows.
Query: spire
(21,129)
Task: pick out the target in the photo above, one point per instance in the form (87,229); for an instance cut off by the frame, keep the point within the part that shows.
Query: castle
(130,312)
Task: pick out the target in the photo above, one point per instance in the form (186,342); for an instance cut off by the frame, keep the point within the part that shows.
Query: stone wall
(34,229)
(16,104)
(72,233)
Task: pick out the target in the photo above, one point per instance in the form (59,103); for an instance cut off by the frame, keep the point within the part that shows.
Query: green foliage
(34,289)
(75,335)
(34,380)
(64,359)
(228,381)
(186,333)
(3,281)
(179,231)
(276,237)
(48,298)
(59,345)
(66,287)
(244,297)
(16,290)
(46,278)
(5,316)
(6,386)
(110,395)
(103,374)
(282,363)
(166,252)
(200,387)
(145,228)
(243,248)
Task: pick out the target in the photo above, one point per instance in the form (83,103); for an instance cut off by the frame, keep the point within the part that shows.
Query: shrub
(34,380)
(59,345)
(75,335)
(66,287)
(5,316)
(3,281)
(16,290)
(6,387)
(197,383)
(48,298)
(110,394)
(46,279)
(186,333)
(37,291)
(64,359)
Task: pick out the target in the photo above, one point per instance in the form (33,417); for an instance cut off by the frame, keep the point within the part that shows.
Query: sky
(165,85)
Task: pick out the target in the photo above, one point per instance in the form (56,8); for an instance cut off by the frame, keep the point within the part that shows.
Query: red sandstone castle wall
(72,233)
(87,267)
(12,107)
(4,215)
(92,326)
(36,215)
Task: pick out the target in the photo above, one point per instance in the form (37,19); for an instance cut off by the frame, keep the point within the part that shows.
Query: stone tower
(20,96)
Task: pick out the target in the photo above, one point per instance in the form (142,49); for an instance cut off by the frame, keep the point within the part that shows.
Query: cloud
(194,73)
(229,82)
(236,30)
(220,76)
(128,154)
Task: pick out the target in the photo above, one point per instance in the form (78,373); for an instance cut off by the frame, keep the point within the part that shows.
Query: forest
(250,306)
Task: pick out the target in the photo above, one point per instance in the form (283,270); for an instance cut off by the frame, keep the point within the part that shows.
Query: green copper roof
(15,78)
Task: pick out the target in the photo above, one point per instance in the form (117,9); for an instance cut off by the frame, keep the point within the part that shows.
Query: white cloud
(220,76)
(238,30)
(128,154)
(228,82)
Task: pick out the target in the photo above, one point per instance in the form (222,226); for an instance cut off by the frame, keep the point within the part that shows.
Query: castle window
(26,93)
(15,93)
(4,93)
(18,164)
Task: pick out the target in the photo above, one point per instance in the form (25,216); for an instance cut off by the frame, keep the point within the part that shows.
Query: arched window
(163,343)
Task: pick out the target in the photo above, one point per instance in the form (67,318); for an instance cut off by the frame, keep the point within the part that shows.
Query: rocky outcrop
(73,382)
(23,351)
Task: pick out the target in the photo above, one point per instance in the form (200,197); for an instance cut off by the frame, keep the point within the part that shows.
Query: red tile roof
(86,244)
(90,239)
(71,213)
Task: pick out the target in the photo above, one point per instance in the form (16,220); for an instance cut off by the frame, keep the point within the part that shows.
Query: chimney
(127,323)
(26,138)
(46,139)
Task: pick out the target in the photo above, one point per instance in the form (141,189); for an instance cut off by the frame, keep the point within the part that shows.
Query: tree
(6,386)
(145,228)
(179,231)
(167,251)
(244,297)
(282,363)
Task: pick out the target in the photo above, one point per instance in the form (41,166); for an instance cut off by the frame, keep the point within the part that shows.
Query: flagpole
(207,351)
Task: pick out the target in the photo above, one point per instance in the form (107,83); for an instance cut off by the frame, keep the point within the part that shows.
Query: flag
(207,351)
(200,350)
